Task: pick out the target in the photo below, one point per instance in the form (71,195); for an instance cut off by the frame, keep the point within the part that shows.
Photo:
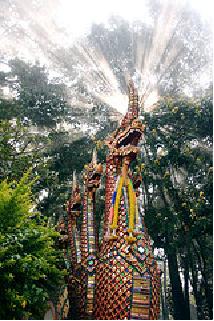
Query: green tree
(68,154)
(9,109)
(29,263)
(40,100)
(21,147)
(177,175)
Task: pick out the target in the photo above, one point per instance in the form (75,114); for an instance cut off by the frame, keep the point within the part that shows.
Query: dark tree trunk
(179,305)
(186,274)
(208,291)
(202,265)
(186,286)
(197,293)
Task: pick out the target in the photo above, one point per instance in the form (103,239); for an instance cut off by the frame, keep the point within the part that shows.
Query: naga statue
(74,209)
(118,277)
(89,238)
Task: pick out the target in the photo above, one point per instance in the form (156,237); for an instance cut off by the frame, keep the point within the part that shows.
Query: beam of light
(152,55)
(157,46)
(150,100)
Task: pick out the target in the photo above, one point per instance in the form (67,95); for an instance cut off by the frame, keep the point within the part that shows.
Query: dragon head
(92,174)
(74,204)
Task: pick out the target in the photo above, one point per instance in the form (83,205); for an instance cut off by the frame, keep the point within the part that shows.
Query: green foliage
(40,100)
(20,148)
(9,109)
(29,262)
(178,163)
(66,156)
(177,175)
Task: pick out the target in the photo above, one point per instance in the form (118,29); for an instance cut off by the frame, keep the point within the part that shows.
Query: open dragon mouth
(94,181)
(93,177)
(76,206)
(131,137)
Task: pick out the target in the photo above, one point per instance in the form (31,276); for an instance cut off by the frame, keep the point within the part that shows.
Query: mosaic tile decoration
(119,279)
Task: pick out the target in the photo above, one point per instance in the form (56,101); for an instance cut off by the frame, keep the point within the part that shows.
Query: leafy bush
(29,263)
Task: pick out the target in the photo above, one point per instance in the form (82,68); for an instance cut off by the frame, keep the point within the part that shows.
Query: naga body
(118,276)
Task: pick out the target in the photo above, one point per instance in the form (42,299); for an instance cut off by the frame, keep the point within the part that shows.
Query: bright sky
(77,17)
(65,20)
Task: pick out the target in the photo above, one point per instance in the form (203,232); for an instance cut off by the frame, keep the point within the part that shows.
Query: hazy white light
(77,18)
(63,21)
(151,100)
(4,67)
(204,7)
(118,101)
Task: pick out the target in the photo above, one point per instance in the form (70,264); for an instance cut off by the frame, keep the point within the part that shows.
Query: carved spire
(74,182)
(133,100)
(94,157)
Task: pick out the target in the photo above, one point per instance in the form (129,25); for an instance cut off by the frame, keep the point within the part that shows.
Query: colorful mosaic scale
(119,279)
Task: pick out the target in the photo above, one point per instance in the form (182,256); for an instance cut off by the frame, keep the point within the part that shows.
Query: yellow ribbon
(117,202)
(132,203)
